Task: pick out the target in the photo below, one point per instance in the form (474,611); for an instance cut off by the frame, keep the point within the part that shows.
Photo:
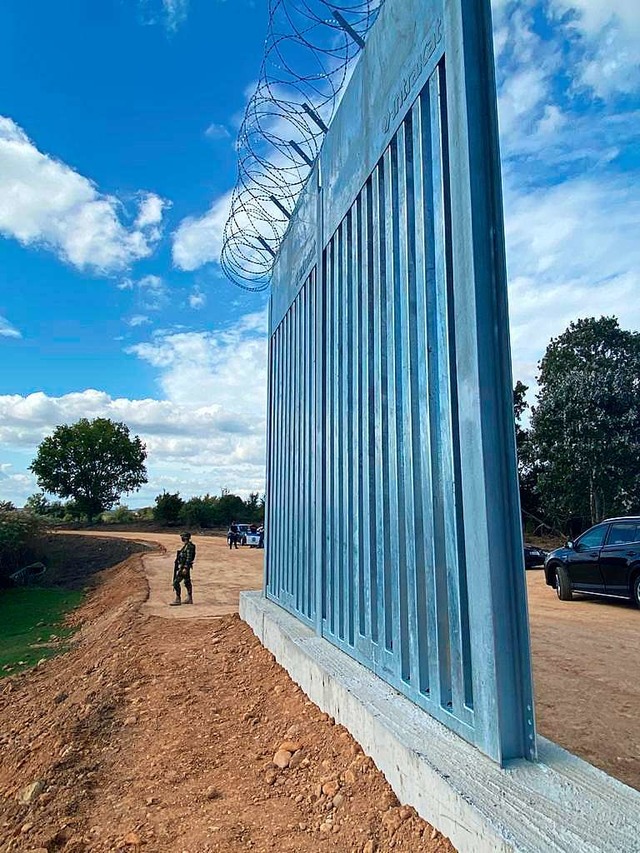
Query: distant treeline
(169,509)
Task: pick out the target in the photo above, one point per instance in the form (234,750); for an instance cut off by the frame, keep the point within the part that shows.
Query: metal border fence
(392,504)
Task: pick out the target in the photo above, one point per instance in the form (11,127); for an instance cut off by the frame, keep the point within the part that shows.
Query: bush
(38,504)
(120,515)
(17,530)
(200,512)
(167,508)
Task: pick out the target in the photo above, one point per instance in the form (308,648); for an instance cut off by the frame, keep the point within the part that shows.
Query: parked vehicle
(605,560)
(533,556)
(243,531)
(255,536)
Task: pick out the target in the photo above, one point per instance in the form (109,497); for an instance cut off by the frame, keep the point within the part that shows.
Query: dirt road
(158,730)
(586,667)
(159,733)
(218,576)
(586,657)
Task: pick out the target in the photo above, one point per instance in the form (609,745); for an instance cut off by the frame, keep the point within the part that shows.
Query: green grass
(31,625)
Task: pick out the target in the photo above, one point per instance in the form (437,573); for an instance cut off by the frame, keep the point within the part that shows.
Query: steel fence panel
(392,486)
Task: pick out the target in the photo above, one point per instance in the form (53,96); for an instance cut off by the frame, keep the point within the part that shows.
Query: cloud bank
(45,203)
(207,433)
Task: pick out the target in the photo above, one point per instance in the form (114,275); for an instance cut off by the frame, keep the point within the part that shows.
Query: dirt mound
(161,734)
(71,559)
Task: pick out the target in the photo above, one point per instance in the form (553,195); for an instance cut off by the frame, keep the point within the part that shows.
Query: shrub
(17,530)
(168,507)
(120,515)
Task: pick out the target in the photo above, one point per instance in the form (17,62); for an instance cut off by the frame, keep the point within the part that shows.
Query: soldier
(182,569)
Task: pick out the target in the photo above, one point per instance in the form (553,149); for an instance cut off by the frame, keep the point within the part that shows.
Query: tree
(528,469)
(93,462)
(585,430)
(200,512)
(167,508)
(40,505)
(231,508)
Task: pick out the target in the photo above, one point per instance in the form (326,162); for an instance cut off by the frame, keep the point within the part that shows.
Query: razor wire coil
(309,53)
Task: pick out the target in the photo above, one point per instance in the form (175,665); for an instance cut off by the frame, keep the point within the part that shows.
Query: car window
(593,538)
(622,532)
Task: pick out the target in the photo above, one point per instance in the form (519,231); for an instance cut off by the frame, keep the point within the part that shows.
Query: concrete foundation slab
(559,804)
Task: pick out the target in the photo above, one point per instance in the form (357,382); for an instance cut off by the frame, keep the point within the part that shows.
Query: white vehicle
(255,539)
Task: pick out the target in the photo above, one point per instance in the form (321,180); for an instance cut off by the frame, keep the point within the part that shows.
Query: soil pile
(71,559)
(172,735)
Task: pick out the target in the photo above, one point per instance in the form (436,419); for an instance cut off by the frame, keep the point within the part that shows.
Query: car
(533,556)
(255,537)
(243,532)
(604,560)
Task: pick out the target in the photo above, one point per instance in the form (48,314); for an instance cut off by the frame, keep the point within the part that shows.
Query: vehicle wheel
(563,584)
(636,591)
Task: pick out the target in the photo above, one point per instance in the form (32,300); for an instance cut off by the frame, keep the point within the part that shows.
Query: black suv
(605,560)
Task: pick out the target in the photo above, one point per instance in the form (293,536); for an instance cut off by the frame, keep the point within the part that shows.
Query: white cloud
(610,37)
(572,252)
(152,291)
(175,12)
(44,202)
(217,131)
(197,299)
(137,320)
(7,330)
(150,214)
(198,240)
(208,431)
(225,368)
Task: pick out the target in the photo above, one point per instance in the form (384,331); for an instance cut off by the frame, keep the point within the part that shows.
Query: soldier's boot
(176,602)
(188,599)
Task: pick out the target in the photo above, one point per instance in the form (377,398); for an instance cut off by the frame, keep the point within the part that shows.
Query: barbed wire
(309,53)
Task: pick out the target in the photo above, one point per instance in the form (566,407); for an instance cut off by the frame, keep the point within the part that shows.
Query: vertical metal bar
(322,445)
(466,687)
(311,437)
(395,527)
(384,614)
(340,433)
(290,452)
(424,624)
(351,426)
(332,556)
(370,386)
(329,450)
(361,428)
(320,519)
(278,512)
(268,574)
(299,461)
(405,312)
(447,559)
(406,378)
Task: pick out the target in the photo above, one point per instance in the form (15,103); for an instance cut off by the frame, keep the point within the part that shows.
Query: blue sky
(118,121)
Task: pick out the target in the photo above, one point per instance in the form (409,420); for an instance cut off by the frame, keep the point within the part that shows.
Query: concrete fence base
(560,804)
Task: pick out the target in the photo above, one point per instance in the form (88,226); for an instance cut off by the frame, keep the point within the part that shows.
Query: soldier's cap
(185,535)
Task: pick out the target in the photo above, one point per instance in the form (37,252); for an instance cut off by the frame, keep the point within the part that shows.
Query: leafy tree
(167,508)
(585,430)
(120,515)
(40,505)
(231,508)
(528,468)
(201,512)
(93,462)
(254,508)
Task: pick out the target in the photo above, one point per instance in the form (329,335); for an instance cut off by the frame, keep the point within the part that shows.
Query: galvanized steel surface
(393,520)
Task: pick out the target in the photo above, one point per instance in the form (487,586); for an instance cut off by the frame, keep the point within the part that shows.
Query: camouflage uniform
(182,569)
